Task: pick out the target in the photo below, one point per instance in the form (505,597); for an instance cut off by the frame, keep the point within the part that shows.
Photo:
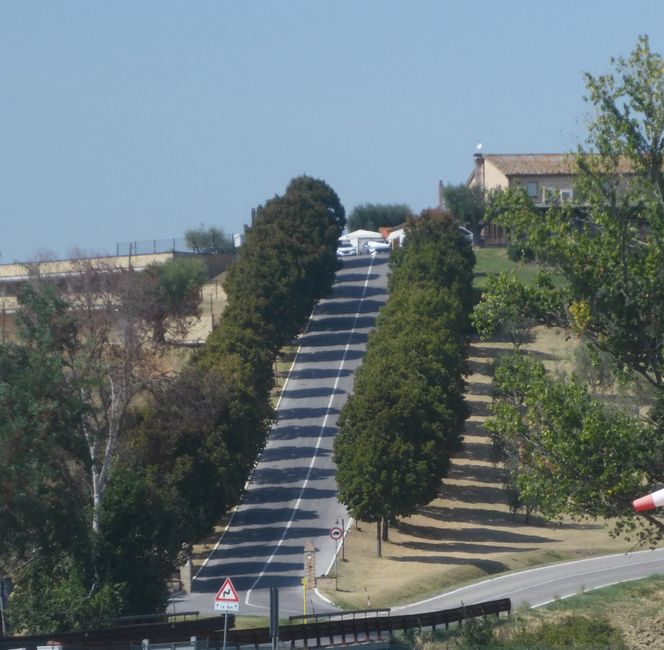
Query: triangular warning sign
(227,593)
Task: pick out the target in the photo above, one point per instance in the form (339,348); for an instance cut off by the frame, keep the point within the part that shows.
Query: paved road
(291,496)
(539,586)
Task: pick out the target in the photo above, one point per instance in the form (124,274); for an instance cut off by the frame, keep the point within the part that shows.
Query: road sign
(336,533)
(227,599)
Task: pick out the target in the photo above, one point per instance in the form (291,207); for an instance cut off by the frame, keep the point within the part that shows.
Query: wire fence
(148,246)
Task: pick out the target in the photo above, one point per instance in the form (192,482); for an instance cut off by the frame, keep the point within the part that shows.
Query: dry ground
(468,532)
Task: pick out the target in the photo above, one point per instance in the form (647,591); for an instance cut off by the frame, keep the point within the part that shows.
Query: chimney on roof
(479,169)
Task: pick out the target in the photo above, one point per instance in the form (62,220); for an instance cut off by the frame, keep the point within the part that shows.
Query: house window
(566,195)
(532,189)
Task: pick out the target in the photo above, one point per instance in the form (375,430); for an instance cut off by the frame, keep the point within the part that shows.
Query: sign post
(304,599)
(274,617)
(336,534)
(226,601)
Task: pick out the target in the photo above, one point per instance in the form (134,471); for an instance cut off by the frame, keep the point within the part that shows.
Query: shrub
(573,631)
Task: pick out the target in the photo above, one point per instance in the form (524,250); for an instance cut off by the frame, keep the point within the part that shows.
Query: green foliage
(170,470)
(178,278)
(570,632)
(208,239)
(610,249)
(287,263)
(104,539)
(510,307)
(565,452)
(372,216)
(53,594)
(468,206)
(519,252)
(400,427)
(142,535)
(42,500)
(198,444)
(477,633)
(171,295)
(435,251)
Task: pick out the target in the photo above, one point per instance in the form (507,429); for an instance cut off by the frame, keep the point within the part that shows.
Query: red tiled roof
(539,164)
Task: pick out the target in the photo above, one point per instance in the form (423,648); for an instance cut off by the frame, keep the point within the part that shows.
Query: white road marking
(318,443)
(534,569)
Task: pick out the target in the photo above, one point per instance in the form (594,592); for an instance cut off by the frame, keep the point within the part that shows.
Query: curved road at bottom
(542,585)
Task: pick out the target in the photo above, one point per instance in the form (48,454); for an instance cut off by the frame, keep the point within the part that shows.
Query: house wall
(489,177)
(493,177)
(556,183)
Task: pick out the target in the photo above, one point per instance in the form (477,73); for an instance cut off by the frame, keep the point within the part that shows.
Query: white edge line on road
(318,442)
(281,394)
(517,573)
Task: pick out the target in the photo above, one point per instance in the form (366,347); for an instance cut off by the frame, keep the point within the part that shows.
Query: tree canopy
(609,246)
(372,216)
(287,263)
(116,461)
(468,205)
(400,427)
(208,239)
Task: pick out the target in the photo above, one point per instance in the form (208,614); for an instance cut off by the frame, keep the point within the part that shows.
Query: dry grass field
(468,532)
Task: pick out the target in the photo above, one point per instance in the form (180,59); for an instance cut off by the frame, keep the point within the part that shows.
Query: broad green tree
(287,263)
(84,359)
(566,453)
(372,216)
(208,239)
(42,499)
(468,205)
(610,248)
(435,251)
(198,443)
(403,422)
(171,296)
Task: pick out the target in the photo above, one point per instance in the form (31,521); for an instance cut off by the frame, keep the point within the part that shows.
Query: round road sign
(336,533)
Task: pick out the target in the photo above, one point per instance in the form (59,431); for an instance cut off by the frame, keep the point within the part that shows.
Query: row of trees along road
(567,452)
(112,463)
(400,427)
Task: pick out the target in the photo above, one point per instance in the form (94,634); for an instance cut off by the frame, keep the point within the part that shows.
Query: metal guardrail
(316,634)
(356,613)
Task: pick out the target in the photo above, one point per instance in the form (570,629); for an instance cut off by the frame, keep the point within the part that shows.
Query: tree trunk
(386,529)
(379,550)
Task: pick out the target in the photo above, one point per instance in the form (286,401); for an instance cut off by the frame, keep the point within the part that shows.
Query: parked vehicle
(345,248)
(467,234)
(376,247)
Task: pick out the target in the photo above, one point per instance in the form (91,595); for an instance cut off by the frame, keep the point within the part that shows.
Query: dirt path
(468,532)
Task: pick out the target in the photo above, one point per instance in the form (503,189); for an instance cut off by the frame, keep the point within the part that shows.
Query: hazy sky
(134,120)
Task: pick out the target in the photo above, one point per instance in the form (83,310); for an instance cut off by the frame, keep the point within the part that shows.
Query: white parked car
(345,248)
(467,234)
(376,247)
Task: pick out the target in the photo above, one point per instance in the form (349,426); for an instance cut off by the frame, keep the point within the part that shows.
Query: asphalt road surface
(541,585)
(291,496)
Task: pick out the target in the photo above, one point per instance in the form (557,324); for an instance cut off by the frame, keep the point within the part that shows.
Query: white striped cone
(650,501)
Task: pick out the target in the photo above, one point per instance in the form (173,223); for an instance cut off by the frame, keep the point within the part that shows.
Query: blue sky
(131,120)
